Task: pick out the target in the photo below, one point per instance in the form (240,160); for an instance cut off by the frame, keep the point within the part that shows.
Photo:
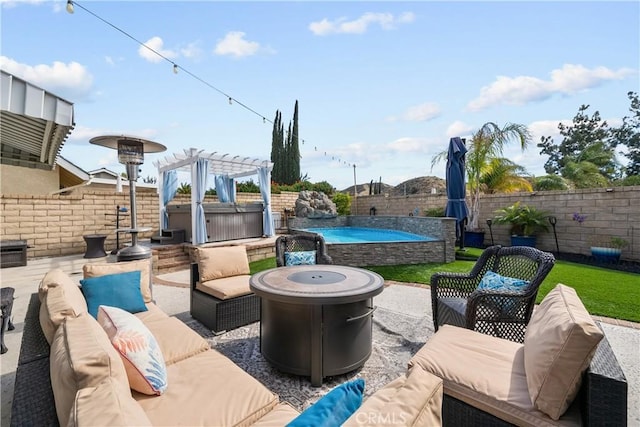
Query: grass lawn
(604,292)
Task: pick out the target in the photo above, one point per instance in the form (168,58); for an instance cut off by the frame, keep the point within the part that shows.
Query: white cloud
(523,89)
(157,45)
(386,21)
(458,128)
(71,81)
(419,113)
(408,145)
(192,50)
(234,44)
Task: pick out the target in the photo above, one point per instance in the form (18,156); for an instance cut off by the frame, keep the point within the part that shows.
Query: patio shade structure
(35,123)
(456,191)
(225,168)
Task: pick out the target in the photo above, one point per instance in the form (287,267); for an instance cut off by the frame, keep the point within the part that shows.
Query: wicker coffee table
(316,319)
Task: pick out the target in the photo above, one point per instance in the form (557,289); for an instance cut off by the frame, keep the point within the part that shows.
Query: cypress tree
(295,148)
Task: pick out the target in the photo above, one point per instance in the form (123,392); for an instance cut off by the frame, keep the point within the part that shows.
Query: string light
(71,8)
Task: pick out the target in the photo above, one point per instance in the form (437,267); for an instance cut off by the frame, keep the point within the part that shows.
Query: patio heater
(131,152)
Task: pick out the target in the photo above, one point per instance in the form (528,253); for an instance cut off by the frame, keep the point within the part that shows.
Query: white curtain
(222,189)
(169,190)
(200,233)
(264,174)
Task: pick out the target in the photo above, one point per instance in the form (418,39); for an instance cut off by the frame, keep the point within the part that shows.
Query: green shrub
(343,203)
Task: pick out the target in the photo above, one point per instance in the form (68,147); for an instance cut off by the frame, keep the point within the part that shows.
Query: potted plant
(482,162)
(607,248)
(525,222)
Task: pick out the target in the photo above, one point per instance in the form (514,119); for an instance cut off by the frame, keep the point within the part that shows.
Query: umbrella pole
(462,224)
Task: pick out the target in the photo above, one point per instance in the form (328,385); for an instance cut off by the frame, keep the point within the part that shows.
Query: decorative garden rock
(315,204)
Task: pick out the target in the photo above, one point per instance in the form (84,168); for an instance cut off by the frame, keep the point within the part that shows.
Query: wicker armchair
(302,242)
(457,301)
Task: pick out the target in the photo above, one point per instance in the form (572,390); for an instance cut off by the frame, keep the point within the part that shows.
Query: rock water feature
(315,204)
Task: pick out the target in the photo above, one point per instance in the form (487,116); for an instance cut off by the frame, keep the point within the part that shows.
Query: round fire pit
(316,319)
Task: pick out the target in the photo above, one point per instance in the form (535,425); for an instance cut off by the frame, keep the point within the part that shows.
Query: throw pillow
(559,343)
(300,258)
(333,409)
(138,348)
(141,265)
(496,282)
(120,290)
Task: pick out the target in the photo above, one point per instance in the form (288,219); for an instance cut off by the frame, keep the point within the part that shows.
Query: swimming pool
(409,240)
(365,235)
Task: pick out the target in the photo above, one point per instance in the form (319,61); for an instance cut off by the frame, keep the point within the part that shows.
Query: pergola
(226,168)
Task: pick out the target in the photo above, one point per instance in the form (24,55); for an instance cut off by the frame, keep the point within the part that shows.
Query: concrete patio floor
(172,295)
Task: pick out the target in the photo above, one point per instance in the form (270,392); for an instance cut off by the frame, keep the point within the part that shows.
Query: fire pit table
(316,319)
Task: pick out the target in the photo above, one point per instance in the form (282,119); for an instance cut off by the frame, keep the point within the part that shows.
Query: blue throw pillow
(300,258)
(120,290)
(495,282)
(333,409)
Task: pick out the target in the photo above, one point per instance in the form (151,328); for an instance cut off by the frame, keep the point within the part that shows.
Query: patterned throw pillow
(300,258)
(495,282)
(138,348)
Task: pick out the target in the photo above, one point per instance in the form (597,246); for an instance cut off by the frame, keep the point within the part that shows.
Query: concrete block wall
(53,225)
(609,212)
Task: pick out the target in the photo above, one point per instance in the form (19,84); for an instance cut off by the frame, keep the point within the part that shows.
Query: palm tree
(487,144)
(485,166)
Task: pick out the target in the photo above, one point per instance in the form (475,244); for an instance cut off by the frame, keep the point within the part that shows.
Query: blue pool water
(365,235)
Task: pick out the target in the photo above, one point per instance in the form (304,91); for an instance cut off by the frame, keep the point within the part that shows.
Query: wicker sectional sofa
(68,374)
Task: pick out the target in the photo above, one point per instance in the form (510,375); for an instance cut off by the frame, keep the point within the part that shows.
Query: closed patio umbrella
(456,191)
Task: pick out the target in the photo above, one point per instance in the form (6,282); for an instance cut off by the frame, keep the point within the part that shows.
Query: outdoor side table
(6,297)
(95,245)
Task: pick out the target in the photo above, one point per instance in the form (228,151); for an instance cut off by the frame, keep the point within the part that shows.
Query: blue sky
(382,85)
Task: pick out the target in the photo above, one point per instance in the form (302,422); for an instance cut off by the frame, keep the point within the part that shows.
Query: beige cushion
(559,344)
(485,372)
(176,340)
(82,356)
(143,265)
(208,389)
(60,297)
(227,287)
(279,416)
(152,314)
(227,261)
(105,405)
(414,399)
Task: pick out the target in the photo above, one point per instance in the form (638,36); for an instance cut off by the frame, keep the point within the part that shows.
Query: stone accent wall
(53,225)
(609,212)
(389,253)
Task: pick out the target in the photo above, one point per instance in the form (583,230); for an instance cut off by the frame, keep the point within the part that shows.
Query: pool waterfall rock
(315,204)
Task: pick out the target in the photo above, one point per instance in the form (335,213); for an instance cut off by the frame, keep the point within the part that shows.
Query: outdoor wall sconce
(131,154)
(609,190)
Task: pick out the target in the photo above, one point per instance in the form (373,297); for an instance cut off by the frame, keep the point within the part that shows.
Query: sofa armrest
(603,394)
(195,275)
(33,402)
